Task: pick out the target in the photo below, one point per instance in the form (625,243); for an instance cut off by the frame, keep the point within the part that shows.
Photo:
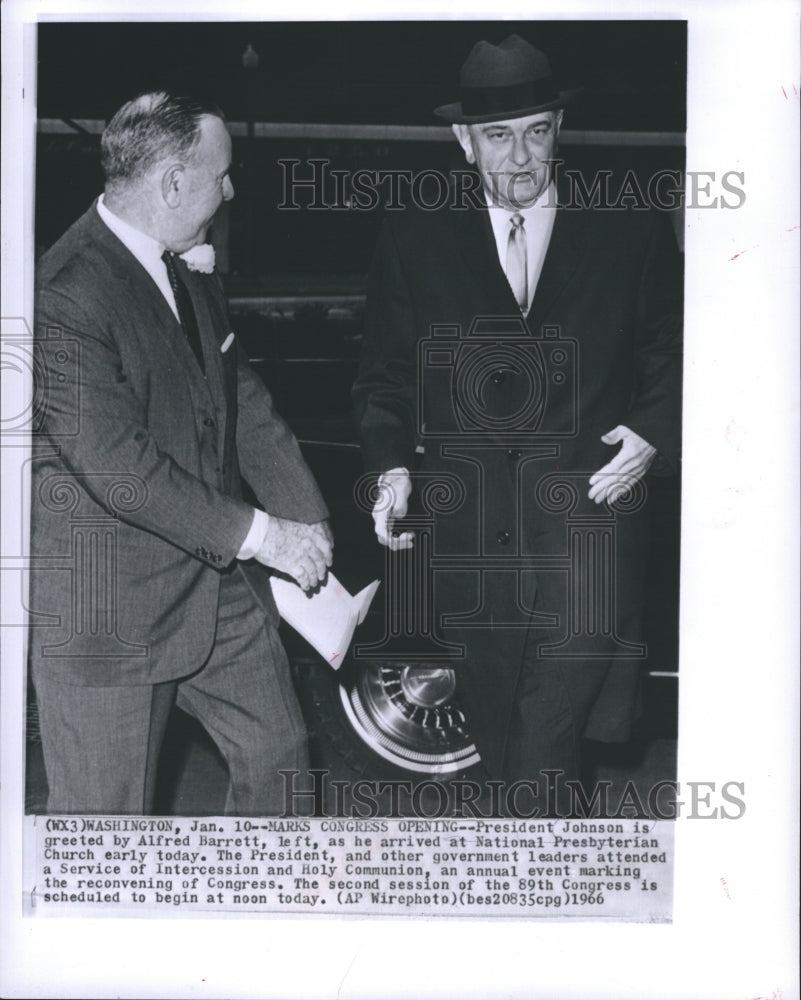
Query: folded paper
(326,618)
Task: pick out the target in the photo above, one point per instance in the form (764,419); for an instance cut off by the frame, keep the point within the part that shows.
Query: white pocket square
(227,343)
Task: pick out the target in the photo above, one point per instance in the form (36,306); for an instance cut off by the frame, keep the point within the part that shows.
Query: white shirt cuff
(254,538)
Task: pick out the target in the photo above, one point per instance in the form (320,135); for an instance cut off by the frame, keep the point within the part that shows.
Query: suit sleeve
(269,456)
(101,429)
(656,408)
(385,391)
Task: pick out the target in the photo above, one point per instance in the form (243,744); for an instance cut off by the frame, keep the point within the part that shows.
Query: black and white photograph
(486,424)
(380,518)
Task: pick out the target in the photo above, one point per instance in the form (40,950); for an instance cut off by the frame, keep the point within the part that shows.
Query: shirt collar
(547,200)
(146,250)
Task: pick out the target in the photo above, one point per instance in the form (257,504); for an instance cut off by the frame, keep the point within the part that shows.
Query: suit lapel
(565,254)
(480,262)
(148,296)
(158,315)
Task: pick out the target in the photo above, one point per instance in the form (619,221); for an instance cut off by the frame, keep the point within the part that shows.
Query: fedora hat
(504,81)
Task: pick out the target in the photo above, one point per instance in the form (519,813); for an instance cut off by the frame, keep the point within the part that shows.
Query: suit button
(514,453)
(498,377)
(503,537)
(208,422)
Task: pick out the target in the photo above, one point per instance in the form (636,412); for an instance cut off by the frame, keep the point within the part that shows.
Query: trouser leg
(101,745)
(544,740)
(245,699)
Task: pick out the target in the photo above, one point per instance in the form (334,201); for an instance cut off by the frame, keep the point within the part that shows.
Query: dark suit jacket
(512,415)
(136,504)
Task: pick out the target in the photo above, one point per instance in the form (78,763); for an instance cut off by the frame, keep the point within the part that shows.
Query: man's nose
(228,189)
(520,153)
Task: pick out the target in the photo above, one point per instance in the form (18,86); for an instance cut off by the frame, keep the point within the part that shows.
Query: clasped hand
(302,551)
(627,467)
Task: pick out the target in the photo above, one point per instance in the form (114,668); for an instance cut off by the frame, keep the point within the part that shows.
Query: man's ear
(462,133)
(172,181)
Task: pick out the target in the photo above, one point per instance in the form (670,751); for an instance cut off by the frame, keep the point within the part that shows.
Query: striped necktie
(517,261)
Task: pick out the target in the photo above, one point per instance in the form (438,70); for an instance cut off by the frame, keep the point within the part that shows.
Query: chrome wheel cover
(407,714)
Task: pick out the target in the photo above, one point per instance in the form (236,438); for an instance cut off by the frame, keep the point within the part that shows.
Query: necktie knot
(517,221)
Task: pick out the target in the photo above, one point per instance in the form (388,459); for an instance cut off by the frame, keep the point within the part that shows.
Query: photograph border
(734,919)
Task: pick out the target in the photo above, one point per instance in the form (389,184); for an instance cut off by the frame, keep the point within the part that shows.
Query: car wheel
(388,714)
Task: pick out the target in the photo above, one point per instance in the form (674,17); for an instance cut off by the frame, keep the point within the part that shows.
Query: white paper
(325,618)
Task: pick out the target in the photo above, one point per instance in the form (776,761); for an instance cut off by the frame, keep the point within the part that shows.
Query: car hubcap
(408,715)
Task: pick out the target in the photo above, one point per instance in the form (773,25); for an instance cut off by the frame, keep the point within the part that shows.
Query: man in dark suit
(147,589)
(529,347)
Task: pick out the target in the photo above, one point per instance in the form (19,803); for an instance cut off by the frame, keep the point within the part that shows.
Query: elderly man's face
(513,157)
(205,185)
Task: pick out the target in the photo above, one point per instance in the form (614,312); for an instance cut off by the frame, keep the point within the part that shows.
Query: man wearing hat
(529,348)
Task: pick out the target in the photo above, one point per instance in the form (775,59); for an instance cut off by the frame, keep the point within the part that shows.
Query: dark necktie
(185,308)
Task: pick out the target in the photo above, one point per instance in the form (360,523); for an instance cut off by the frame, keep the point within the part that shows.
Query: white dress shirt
(538,219)
(148,252)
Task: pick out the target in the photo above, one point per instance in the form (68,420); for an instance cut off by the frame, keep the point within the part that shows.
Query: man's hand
(394,488)
(302,551)
(627,467)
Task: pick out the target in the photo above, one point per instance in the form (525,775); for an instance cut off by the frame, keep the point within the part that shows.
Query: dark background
(378,73)
(633,72)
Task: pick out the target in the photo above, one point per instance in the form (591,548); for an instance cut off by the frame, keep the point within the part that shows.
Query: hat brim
(454,114)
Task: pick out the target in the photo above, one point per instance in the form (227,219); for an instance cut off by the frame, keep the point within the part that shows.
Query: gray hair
(149,129)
